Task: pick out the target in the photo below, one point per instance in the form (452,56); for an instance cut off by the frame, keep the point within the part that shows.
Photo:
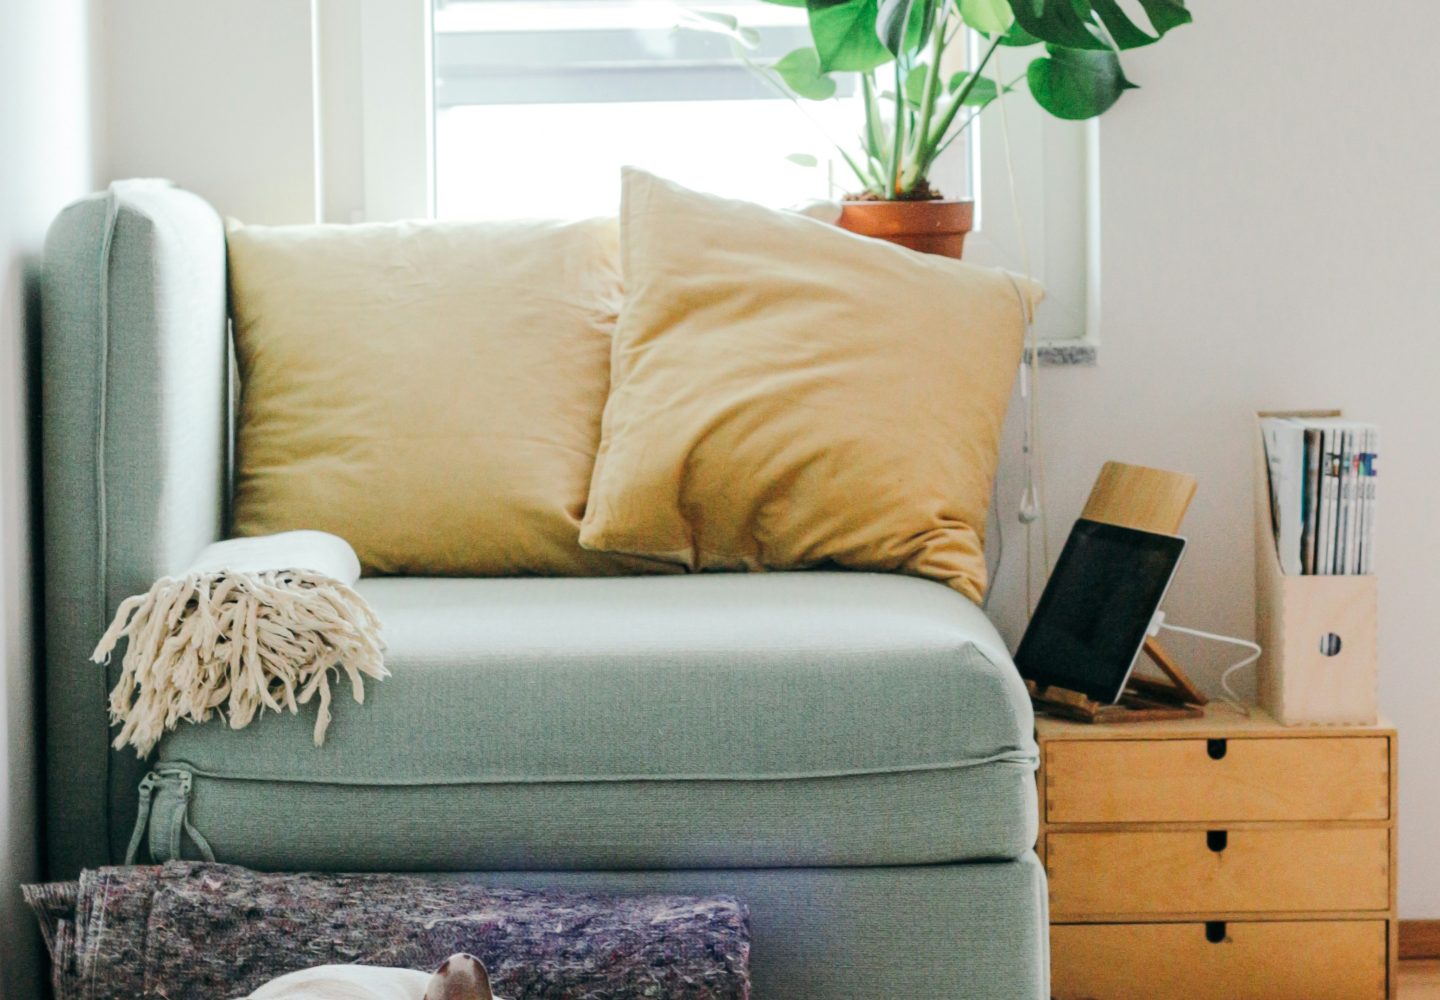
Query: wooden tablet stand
(1133,496)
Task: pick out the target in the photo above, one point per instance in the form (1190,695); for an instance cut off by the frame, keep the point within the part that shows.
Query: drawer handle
(1215,931)
(1216,749)
(1216,840)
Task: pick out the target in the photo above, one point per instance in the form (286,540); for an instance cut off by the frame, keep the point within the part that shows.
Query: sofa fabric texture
(430,392)
(785,394)
(712,720)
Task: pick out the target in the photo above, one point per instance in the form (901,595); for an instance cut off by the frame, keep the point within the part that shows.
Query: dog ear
(460,977)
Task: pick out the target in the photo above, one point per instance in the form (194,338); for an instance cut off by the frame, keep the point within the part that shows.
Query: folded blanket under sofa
(203,930)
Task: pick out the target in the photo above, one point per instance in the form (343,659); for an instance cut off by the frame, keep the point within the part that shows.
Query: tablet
(1092,619)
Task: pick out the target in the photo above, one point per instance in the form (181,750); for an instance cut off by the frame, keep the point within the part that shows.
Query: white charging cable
(1230,671)
(1032,513)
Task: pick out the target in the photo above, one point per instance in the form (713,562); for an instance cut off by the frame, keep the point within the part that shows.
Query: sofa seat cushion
(703,721)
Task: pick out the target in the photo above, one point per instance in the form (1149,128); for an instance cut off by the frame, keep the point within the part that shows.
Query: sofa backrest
(135,418)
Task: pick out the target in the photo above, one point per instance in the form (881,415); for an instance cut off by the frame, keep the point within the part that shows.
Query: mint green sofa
(851,754)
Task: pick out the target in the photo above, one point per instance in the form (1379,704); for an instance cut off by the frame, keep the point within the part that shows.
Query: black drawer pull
(1216,840)
(1215,931)
(1216,749)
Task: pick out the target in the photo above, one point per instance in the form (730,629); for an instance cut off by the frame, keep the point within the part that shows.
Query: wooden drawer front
(1295,778)
(1219,871)
(1316,960)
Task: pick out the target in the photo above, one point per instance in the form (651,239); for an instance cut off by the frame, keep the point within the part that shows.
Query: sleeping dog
(460,977)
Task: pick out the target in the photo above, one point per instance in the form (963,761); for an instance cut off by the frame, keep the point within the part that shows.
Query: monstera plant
(915,105)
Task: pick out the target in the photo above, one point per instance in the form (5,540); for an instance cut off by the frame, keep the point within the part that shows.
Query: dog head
(460,977)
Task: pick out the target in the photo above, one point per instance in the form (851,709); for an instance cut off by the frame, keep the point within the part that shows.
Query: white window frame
(375,96)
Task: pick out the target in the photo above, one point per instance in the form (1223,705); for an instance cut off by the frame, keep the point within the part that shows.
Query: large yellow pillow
(429,392)
(785,394)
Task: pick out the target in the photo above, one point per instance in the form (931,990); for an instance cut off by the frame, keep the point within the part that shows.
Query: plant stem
(865,182)
(948,118)
(874,134)
(957,133)
(767,76)
(969,84)
(921,139)
(897,162)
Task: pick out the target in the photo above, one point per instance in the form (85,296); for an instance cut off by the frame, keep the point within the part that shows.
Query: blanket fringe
(236,643)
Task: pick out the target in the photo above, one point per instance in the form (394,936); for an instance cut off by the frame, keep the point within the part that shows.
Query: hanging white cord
(1254,654)
(1032,505)
(1031,509)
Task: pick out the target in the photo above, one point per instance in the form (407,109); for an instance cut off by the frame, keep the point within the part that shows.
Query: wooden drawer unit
(1273,960)
(1220,780)
(1221,857)
(1243,871)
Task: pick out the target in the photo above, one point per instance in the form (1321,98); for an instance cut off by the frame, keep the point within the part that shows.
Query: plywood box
(1224,857)
(1317,633)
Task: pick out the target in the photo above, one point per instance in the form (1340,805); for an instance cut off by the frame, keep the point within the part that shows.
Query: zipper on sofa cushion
(165,811)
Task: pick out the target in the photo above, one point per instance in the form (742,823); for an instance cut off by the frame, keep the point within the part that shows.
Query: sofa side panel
(134,439)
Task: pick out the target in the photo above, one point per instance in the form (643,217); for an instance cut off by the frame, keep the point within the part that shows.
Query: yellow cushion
(429,392)
(785,394)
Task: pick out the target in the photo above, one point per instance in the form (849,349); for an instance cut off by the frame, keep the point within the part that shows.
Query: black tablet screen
(1096,608)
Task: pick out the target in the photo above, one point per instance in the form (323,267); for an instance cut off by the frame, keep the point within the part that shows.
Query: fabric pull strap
(142,816)
(165,808)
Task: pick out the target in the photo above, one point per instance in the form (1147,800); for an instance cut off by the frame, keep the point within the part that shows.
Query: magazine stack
(1316,592)
(1322,493)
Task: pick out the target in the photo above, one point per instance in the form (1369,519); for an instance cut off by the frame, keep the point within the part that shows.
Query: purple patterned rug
(216,931)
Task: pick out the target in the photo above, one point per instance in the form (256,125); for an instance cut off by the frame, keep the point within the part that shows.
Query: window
(508,108)
(540,102)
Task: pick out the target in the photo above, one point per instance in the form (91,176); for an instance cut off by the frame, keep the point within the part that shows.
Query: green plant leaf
(987,16)
(1077,83)
(1097,24)
(721,24)
(1163,14)
(801,72)
(803,160)
(893,22)
(787,3)
(915,84)
(917,18)
(1017,37)
(981,94)
(846,35)
(1060,22)
(922,23)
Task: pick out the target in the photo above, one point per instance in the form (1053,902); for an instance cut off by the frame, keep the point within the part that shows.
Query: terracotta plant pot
(928,226)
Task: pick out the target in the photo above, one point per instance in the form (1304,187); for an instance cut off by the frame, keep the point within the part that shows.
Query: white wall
(215,96)
(1270,239)
(45,160)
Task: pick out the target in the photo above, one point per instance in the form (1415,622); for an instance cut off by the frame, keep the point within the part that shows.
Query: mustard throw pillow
(785,394)
(431,392)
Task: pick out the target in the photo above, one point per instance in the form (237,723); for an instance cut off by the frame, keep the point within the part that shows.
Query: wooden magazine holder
(1133,496)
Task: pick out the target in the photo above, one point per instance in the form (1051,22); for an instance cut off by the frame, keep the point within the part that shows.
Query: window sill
(1078,353)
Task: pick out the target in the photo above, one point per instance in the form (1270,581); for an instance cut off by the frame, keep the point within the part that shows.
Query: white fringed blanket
(254,623)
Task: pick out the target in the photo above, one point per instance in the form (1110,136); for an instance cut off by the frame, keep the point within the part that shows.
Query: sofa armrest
(134,424)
